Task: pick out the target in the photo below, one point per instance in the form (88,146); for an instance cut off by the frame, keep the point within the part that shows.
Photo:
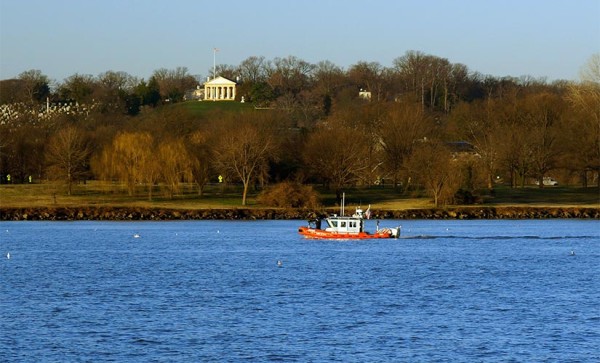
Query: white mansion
(219,89)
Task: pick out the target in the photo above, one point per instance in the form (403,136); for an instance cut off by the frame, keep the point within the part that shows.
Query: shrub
(465,197)
(289,195)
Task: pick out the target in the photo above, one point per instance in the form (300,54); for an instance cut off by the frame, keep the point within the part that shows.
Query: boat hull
(313,233)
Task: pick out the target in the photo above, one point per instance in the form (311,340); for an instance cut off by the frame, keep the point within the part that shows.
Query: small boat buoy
(136,236)
(8,255)
(279,263)
(572,253)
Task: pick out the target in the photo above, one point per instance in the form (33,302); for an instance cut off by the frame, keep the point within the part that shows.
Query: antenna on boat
(342,204)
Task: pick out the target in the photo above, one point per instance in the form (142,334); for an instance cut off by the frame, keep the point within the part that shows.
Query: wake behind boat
(345,227)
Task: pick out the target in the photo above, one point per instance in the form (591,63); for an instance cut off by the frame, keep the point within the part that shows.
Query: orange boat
(346,227)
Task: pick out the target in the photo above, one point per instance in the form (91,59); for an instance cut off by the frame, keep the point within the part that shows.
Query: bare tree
(173,83)
(583,137)
(412,68)
(368,76)
(290,75)
(402,126)
(515,151)
(35,85)
(517,154)
(253,69)
(22,141)
(480,123)
(455,88)
(429,78)
(432,166)
(337,154)
(438,76)
(542,115)
(67,155)
(244,149)
(78,87)
(590,72)
(113,88)
(199,153)
(328,77)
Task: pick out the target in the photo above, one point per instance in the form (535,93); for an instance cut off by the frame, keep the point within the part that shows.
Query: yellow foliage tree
(175,165)
(128,159)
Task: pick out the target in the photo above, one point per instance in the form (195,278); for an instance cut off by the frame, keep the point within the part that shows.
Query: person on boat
(316,222)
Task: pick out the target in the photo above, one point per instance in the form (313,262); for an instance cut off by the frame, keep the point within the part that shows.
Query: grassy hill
(199,107)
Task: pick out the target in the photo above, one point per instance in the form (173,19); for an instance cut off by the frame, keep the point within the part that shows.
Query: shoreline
(166,214)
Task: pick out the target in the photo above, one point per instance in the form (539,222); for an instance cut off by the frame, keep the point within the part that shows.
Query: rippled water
(211,291)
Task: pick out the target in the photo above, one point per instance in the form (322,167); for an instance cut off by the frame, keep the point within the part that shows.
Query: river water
(213,291)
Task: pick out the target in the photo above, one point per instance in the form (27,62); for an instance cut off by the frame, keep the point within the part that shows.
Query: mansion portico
(219,89)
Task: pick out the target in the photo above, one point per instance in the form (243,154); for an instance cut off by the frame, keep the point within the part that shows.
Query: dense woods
(422,125)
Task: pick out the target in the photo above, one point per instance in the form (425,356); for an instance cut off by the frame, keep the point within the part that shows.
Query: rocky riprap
(158,214)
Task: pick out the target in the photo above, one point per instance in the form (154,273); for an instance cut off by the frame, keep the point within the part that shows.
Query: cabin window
(343,224)
(353,224)
(334,223)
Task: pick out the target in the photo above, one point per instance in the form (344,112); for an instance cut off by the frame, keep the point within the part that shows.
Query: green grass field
(95,193)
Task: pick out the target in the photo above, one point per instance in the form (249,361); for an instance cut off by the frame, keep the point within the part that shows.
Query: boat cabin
(344,224)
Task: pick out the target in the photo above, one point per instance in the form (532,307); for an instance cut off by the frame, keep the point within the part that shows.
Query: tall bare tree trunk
(245,193)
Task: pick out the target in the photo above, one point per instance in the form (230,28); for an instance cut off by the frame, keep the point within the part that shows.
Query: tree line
(427,125)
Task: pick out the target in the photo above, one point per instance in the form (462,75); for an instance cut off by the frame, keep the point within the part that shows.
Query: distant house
(219,89)
(462,150)
(194,94)
(364,94)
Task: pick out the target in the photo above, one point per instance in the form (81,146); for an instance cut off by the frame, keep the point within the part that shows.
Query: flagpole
(214,63)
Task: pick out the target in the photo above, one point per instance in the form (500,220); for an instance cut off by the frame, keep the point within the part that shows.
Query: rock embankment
(141,214)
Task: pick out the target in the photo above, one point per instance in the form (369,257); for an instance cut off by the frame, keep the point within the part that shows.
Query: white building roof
(221,81)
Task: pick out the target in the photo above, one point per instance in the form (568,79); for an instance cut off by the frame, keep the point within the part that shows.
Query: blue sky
(539,38)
